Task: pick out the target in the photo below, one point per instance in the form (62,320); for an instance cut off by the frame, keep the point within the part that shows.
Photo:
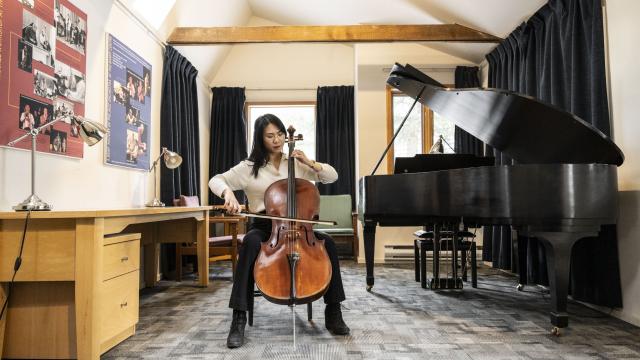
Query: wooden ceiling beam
(340,33)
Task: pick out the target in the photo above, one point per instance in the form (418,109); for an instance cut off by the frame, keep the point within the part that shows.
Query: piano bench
(422,245)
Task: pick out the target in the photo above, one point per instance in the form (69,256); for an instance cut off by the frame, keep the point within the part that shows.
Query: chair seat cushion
(337,231)
(224,240)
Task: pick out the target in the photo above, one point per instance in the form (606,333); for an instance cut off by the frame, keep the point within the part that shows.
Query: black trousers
(243,282)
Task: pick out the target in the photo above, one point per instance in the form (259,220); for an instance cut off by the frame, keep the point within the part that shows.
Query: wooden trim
(427,126)
(89,239)
(75,214)
(115,239)
(389,128)
(202,234)
(337,33)
(427,123)
(279,103)
(273,103)
(117,339)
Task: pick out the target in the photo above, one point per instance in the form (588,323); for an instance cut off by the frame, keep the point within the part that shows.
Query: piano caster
(369,288)
(556,331)
(520,287)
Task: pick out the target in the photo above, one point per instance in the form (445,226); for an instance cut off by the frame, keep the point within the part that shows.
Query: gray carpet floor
(397,320)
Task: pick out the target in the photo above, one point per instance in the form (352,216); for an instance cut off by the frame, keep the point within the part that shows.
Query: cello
(293,266)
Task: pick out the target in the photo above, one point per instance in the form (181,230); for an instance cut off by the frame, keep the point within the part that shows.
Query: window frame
(285,103)
(427,126)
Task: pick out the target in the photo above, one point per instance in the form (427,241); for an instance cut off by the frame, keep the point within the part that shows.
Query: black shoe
(236,333)
(333,320)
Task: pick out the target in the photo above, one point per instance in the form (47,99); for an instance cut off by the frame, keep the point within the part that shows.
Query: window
(421,130)
(302,115)
(446,128)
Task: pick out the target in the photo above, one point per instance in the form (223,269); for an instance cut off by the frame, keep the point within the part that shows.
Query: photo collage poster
(42,73)
(128,106)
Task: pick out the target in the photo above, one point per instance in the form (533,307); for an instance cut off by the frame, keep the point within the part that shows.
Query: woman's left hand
(299,154)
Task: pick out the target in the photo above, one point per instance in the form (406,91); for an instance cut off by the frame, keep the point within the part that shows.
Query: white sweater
(239,177)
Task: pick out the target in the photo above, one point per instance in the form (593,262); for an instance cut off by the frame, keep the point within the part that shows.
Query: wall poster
(128,105)
(42,73)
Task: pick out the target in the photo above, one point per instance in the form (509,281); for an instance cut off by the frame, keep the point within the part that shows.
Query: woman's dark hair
(259,155)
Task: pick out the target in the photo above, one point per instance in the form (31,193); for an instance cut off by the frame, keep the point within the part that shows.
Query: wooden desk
(76,293)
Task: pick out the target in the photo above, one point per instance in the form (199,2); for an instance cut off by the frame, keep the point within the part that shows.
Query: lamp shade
(90,131)
(172,160)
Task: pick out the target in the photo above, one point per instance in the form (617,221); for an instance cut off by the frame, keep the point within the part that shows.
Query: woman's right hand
(230,202)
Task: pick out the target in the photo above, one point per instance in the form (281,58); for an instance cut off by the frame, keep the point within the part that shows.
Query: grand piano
(563,186)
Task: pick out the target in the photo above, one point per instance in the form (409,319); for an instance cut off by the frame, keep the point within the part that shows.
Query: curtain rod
(280,89)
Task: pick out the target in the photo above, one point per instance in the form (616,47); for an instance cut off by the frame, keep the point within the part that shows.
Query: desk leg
(3,319)
(202,235)
(89,242)
(151,263)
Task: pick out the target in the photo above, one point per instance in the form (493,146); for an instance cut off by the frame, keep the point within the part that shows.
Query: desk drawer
(119,299)
(120,258)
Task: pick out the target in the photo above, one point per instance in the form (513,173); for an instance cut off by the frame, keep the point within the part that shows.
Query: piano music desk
(76,293)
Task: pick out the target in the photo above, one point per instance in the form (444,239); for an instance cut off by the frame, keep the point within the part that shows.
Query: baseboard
(616,313)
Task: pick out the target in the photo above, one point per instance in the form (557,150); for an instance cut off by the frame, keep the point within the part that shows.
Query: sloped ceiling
(496,17)
(207,59)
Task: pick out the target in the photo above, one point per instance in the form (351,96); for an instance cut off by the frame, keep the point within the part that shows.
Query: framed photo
(42,73)
(41,35)
(128,104)
(71,28)
(25,55)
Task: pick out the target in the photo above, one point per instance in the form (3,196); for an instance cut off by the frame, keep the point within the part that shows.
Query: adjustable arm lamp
(171,160)
(91,133)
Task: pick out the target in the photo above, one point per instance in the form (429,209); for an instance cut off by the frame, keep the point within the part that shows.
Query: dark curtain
(558,57)
(179,130)
(465,143)
(335,138)
(228,134)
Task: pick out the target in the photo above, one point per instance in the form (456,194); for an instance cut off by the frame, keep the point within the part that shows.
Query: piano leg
(558,247)
(416,259)
(474,266)
(521,244)
(369,249)
(435,282)
(454,260)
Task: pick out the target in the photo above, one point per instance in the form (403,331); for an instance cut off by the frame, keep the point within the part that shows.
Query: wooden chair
(338,208)
(220,247)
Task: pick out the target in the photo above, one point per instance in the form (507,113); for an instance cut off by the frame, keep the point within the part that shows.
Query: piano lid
(524,128)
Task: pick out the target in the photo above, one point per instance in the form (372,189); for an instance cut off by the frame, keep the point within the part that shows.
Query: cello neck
(291,180)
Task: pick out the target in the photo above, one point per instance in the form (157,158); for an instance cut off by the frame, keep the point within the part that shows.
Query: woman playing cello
(265,165)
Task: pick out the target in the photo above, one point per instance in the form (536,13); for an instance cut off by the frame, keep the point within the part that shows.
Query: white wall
(285,67)
(623,32)
(68,183)
(373,62)
(306,66)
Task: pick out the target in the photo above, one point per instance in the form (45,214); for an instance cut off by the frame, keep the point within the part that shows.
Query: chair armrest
(224,219)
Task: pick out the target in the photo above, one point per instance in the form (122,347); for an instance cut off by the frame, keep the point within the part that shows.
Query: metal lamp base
(155,203)
(32,203)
